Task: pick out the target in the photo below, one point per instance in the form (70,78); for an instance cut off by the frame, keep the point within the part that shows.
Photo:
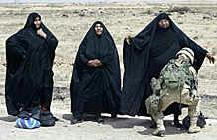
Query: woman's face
(37,23)
(98,29)
(164,23)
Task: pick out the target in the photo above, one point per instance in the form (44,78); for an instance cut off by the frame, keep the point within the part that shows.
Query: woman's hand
(41,33)
(211,58)
(94,63)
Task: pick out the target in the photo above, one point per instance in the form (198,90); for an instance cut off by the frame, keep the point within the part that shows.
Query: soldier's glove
(193,95)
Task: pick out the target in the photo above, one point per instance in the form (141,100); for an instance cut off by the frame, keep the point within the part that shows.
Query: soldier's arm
(194,79)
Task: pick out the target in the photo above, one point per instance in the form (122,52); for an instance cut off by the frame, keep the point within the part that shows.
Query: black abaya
(29,75)
(96,89)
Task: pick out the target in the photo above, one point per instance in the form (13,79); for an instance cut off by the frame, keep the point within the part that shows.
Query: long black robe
(96,90)
(144,58)
(29,75)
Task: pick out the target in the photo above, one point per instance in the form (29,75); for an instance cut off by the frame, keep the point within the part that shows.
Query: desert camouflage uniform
(163,96)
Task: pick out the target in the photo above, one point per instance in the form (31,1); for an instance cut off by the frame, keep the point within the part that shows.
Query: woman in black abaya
(144,57)
(29,77)
(96,82)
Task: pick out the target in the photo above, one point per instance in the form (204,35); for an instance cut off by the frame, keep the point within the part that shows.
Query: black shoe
(55,118)
(47,119)
(113,115)
(99,118)
(177,124)
(153,124)
(76,120)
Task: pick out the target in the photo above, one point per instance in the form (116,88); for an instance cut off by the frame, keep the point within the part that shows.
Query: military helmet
(187,52)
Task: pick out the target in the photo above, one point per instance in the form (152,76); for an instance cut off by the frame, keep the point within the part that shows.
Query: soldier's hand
(211,58)
(193,95)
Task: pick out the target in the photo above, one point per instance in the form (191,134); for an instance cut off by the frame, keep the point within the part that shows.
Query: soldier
(177,83)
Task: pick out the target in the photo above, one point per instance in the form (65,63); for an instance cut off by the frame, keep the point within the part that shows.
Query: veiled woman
(29,77)
(96,82)
(144,57)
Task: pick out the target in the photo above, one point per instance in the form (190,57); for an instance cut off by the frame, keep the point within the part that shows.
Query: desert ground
(70,22)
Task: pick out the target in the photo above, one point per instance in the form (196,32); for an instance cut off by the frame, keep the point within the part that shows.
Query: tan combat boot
(193,126)
(160,130)
(193,120)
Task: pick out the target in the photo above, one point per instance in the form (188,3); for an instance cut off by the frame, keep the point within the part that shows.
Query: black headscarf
(96,90)
(29,67)
(144,58)
(30,20)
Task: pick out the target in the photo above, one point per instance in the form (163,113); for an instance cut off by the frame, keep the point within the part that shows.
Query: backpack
(175,76)
(201,121)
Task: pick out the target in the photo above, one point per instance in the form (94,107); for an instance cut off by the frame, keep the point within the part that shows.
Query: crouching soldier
(177,83)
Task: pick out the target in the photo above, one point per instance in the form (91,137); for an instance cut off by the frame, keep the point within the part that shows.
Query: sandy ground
(70,23)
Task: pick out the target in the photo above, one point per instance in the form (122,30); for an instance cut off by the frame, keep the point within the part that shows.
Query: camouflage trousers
(168,96)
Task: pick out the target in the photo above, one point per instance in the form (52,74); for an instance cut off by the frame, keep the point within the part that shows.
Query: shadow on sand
(126,122)
(8,118)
